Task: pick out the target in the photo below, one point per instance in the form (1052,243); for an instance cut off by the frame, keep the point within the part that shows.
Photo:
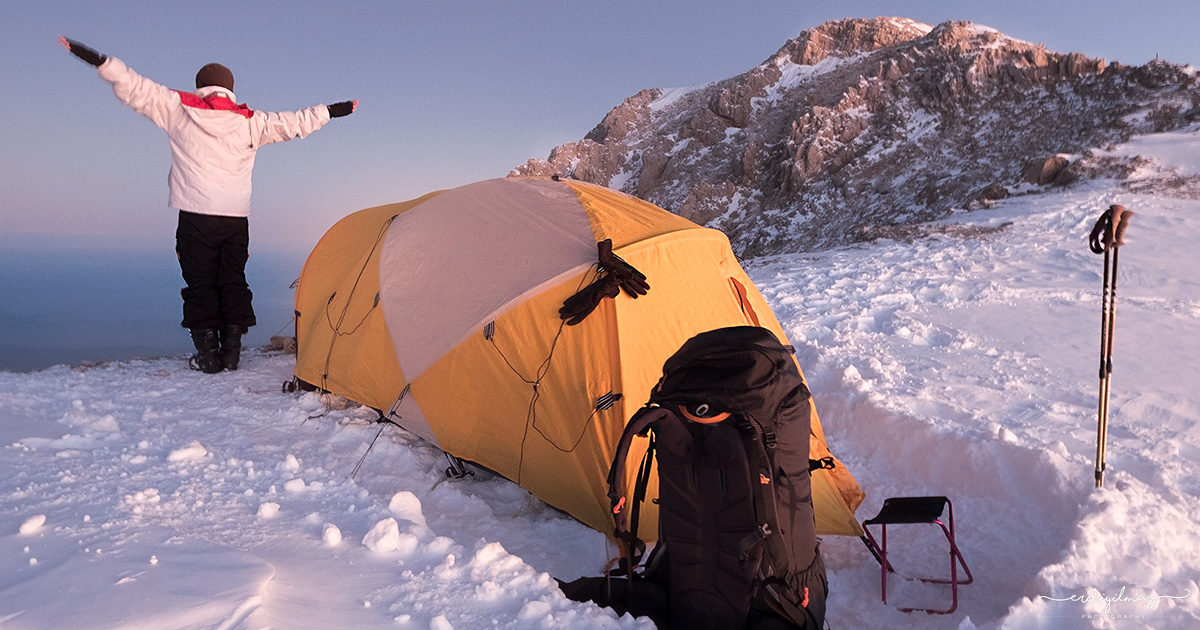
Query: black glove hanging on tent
(616,275)
(632,281)
(577,307)
(83,52)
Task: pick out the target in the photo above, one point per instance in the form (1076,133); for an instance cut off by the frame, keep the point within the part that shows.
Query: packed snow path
(140,494)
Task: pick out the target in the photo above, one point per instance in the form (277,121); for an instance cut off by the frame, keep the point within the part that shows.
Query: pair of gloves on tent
(90,56)
(616,276)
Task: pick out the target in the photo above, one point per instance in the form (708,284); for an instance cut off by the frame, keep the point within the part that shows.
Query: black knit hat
(214,74)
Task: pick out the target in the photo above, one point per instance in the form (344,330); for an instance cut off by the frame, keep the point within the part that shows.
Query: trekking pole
(1106,238)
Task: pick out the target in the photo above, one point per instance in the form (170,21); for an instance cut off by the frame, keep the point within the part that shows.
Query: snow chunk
(33,524)
(290,464)
(195,450)
(141,499)
(268,510)
(385,536)
(294,485)
(407,506)
(440,623)
(331,535)
(107,423)
(536,611)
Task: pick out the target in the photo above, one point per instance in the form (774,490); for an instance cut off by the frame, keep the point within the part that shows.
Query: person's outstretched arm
(146,97)
(284,126)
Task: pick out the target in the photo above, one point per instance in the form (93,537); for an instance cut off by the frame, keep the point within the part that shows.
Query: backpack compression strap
(756,445)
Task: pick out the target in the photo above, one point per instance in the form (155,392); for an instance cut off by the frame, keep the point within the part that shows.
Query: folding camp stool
(906,510)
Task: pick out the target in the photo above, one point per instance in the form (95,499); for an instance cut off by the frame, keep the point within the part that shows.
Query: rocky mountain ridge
(860,126)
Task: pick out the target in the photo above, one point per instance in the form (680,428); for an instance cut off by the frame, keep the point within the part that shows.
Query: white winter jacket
(213,140)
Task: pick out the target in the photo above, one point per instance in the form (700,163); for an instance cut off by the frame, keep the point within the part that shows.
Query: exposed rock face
(861,124)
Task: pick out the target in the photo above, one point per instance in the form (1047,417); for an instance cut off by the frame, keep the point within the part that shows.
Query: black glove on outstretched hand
(344,108)
(83,52)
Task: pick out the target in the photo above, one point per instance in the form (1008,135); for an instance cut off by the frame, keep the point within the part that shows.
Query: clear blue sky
(450,92)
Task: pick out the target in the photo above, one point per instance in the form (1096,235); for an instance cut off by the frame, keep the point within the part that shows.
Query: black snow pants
(212,254)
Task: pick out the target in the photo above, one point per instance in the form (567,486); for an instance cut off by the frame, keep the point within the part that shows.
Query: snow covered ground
(139,494)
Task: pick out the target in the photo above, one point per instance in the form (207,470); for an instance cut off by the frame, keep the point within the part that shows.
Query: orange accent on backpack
(711,420)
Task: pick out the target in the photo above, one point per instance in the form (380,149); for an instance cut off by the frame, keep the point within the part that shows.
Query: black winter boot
(208,357)
(231,346)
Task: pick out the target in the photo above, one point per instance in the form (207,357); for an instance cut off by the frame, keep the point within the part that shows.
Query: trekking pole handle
(1120,223)
(1109,230)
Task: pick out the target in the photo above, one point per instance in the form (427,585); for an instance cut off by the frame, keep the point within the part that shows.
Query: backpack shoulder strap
(625,531)
(640,424)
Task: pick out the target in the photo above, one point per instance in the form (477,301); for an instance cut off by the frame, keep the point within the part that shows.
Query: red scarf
(213,101)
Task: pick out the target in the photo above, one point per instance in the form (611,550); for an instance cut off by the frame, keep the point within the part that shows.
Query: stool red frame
(909,510)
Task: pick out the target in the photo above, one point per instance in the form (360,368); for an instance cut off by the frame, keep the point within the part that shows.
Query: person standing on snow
(213,144)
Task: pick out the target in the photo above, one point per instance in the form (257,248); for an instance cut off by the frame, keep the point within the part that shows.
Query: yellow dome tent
(442,313)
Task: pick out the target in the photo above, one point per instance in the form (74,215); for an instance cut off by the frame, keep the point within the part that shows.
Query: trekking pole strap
(1097,239)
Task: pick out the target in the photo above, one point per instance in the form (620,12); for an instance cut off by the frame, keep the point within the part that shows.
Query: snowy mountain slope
(859,125)
(958,358)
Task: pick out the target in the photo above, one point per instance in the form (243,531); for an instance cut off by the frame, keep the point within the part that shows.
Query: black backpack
(729,426)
